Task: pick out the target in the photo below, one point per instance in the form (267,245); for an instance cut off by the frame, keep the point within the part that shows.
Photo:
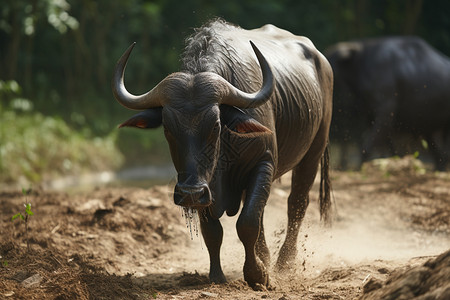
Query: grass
(25,216)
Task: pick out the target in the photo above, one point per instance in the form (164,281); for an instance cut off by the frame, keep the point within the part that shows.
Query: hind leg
(303,176)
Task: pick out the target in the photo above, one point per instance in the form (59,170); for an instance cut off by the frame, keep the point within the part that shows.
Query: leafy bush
(36,147)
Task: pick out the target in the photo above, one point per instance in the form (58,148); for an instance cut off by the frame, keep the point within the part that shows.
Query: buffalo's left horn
(153,98)
(242,99)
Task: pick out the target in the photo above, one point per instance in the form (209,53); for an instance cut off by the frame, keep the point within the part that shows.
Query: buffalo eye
(216,127)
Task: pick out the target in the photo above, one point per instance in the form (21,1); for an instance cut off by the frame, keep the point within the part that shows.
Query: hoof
(217,278)
(283,266)
(257,277)
(286,259)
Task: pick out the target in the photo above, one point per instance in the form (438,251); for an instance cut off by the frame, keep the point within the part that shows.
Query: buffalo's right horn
(242,99)
(153,98)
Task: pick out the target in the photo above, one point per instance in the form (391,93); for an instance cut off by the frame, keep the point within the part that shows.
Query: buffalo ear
(251,126)
(150,118)
(238,121)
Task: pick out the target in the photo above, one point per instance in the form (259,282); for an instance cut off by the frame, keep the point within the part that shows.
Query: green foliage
(28,212)
(17,216)
(9,88)
(24,217)
(34,145)
(28,15)
(28,209)
(57,12)
(424,144)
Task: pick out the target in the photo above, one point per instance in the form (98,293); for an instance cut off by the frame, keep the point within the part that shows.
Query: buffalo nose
(192,196)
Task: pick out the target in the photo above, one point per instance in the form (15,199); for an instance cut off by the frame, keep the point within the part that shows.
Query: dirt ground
(134,243)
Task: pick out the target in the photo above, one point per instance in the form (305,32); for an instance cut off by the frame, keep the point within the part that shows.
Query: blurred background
(57,113)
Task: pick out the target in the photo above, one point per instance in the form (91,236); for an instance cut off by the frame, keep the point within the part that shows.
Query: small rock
(91,205)
(8,294)
(32,281)
(208,294)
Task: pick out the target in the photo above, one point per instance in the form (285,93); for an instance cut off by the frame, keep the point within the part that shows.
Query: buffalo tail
(325,188)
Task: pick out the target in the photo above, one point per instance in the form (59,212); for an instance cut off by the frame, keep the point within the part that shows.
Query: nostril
(194,193)
(191,195)
(189,190)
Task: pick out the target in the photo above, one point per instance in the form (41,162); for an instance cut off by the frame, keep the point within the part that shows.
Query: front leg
(249,225)
(212,232)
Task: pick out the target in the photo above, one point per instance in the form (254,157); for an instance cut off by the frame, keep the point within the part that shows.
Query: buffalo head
(188,106)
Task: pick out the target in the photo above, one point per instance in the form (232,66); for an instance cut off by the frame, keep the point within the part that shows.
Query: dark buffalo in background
(235,122)
(388,91)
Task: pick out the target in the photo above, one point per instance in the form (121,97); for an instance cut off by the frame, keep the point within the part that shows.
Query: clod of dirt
(122,201)
(430,281)
(6,247)
(188,279)
(372,285)
(100,213)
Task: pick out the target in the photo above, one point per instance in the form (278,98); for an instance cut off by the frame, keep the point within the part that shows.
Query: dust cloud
(367,227)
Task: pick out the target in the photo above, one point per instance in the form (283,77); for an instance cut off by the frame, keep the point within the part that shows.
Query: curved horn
(153,98)
(242,99)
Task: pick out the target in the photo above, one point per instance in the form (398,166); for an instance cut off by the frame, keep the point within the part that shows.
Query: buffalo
(390,88)
(247,107)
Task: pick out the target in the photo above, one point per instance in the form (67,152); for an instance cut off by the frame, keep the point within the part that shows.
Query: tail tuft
(325,188)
